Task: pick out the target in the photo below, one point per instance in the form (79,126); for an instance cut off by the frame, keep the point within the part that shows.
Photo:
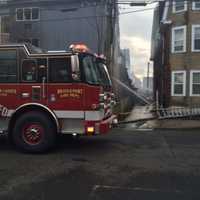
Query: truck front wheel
(34,132)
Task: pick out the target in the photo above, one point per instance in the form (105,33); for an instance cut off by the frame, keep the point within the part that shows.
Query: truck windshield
(90,69)
(104,75)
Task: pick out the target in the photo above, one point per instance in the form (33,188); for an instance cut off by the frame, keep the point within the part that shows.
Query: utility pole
(0,29)
(148,66)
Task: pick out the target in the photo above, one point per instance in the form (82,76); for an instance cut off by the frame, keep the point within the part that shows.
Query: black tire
(26,131)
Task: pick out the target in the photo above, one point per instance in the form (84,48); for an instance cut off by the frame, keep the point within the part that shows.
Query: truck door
(65,96)
(34,79)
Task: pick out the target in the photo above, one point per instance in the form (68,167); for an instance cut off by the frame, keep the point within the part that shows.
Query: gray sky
(135,33)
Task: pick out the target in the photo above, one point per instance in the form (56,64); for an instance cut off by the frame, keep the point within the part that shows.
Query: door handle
(25,95)
(43,87)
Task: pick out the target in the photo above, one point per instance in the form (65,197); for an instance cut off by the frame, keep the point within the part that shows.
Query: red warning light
(79,48)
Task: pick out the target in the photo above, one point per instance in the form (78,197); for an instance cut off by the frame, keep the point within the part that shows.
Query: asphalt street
(124,165)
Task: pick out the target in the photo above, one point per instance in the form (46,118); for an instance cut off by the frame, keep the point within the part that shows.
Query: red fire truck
(43,94)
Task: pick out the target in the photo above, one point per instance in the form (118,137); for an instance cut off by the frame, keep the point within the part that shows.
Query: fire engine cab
(43,94)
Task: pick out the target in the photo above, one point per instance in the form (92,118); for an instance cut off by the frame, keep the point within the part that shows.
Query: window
(179,6)
(42,70)
(20,14)
(196,5)
(8,66)
(105,78)
(91,71)
(195,83)
(35,13)
(178,83)
(29,71)
(196,38)
(60,70)
(179,39)
(34,70)
(27,14)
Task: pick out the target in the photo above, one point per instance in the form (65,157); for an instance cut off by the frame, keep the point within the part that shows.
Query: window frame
(21,71)
(19,20)
(24,16)
(17,68)
(173,83)
(194,6)
(32,13)
(192,37)
(184,28)
(191,83)
(95,69)
(49,72)
(27,20)
(179,11)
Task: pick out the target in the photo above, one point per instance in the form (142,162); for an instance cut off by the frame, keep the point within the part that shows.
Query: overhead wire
(83,17)
(178,4)
(89,16)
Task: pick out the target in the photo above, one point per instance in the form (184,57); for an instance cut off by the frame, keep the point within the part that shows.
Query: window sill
(180,11)
(178,52)
(176,95)
(195,9)
(195,95)
(196,51)
(32,20)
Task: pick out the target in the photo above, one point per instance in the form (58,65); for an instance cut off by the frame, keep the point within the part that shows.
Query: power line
(178,5)
(40,4)
(78,18)
(90,16)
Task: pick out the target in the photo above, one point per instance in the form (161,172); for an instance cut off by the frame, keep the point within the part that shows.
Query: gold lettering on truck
(70,93)
(6,92)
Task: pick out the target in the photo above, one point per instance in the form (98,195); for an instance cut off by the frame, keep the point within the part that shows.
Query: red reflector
(94,106)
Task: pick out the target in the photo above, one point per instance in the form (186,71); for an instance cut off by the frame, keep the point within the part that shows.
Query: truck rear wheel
(34,132)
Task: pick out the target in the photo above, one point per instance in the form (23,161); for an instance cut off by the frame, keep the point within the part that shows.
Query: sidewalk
(140,112)
(175,124)
(143,112)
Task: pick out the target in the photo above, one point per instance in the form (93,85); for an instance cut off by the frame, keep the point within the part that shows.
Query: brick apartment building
(176,53)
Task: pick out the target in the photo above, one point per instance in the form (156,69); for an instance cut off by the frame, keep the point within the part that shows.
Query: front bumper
(101,127)
(106,125)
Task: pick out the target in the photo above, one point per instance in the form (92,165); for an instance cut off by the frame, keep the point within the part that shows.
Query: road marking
(145,129)
(168,147)
(139,129)
(97,187)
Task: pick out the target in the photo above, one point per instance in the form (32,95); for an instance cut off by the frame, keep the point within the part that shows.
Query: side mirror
(76,76)
(75,68)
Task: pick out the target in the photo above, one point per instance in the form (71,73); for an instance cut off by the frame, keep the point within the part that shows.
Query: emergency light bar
(79,48)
